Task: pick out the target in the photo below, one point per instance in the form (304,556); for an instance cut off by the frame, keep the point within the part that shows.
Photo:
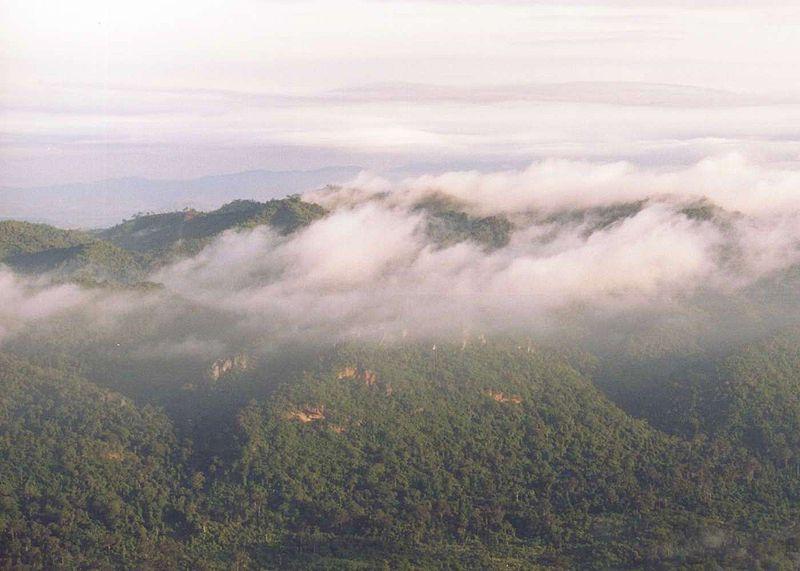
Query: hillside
(215,421)
(93,261)
(448,224)
(494,446)
(188,231)
(127,252)
(492,455)
(19,238)
(87,477)
(749,396)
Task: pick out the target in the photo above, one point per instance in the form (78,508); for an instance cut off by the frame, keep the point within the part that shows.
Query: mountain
(42,249)
(149,429)
(506,451)
(87,479)
(127,252)
(98,204)
(94,261)
(21,238)
(488,455)
(448,224)
(748,396)
(189,230)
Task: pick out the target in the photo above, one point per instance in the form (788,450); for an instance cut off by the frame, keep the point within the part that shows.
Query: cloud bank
(173,90)
(590,245)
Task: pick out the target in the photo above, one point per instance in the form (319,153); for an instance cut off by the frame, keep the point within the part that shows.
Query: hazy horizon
(92,91)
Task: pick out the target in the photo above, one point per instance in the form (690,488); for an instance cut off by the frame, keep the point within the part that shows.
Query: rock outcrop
(226,365)
(504,398)
(366,376)
(307,414)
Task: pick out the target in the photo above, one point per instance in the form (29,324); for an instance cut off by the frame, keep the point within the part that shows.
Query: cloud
(731,181)
(27,301)
(596,92)
(371,270)
(94,93)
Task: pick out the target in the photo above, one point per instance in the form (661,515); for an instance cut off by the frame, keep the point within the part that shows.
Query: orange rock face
(503,398)
(307,414)
(222,367)
(368,377)
(347,373)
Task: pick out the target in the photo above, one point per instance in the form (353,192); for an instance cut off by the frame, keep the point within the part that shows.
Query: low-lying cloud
(731,181)
(590,243)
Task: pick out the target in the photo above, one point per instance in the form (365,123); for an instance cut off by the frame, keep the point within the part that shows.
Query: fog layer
(590,243)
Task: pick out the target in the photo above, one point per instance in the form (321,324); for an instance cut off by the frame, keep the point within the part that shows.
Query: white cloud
(731,180)
(94,89)
(369,268)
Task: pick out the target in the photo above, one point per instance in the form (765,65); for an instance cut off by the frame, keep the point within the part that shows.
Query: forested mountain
(20,238)
(95,260)
(189,230)
(447,224)
(87,477)
(750,397)
(127,252)
(161,424)
(491,455)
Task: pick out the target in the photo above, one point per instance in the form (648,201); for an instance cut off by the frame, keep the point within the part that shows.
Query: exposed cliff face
(226,365)
(347,373)
(366,376)
(307,414)
(504,398)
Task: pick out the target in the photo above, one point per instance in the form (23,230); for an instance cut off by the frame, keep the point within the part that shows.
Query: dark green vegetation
(124,254)
(21,238)
(188,231)
(86,475)
(648,450)
(448,225)
(490,456)
(95,260)
(127,252)
(601,217)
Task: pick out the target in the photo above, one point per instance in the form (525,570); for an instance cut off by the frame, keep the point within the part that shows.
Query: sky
(91,90)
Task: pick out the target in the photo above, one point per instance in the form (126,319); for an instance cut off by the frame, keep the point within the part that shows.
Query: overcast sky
(174,89)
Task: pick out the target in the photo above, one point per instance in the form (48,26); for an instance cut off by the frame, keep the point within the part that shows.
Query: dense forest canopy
(363,379)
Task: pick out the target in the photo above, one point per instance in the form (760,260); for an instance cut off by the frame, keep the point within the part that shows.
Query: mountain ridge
(100,203)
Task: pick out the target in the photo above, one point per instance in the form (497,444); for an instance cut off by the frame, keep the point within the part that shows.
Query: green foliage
(702,210)
(18,238)
(492,455)
(87,478)
(750,397)
(95,260)
(448,225)
(647,450)
(188,231)
(126,253)
(600,217)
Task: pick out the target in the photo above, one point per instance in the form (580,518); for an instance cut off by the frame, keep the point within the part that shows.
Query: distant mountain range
(127,252)
(101,203)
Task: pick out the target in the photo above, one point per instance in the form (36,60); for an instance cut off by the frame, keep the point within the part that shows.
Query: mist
(592,247)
